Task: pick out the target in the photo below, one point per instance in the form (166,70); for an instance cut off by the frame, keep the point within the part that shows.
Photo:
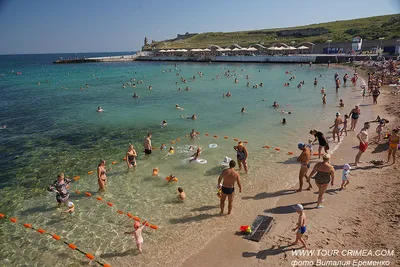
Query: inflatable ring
(235,139)
(226,137)
(201,161)
(277,149)
(155,227)
(290,153)
(212,145)
(168,178)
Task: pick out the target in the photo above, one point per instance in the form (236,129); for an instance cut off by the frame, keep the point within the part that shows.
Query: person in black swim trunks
(229,177)
(147,144)
(321,140)
(355,114)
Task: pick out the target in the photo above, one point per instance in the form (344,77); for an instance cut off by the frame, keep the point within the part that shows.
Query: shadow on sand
(263,254)
(264,195)
(196,218)
(205,208)
(288,208)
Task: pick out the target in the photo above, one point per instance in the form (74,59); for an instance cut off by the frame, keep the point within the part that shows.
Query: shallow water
(54,127)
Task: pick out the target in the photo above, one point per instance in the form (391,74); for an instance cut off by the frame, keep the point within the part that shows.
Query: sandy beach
(365,216)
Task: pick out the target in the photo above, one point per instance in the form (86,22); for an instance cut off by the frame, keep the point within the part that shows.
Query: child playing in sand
(181,195)
(379,130)
(301,226)
(71,208)
(345,176)
(344,128)
(137,234)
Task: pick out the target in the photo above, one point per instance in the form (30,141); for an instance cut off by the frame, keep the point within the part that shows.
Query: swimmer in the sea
(275,105)
(242,110)
(178,107)
(99,109)
(150,87)
(193,134)
(163,146)
(181,195)
(283,121)
(163,123)
(196,155)
(194,117)
(228,94)
(341,104)
(135,95)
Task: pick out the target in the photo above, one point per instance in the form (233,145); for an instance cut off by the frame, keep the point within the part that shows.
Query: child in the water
(137,234)
(71,208)
(196,155)
(181,195)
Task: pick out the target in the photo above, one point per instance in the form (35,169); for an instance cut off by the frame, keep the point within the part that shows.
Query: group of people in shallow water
(323,172)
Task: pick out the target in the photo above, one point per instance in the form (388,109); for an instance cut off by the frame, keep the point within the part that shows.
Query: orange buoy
(77,178)
(172,142)
(72,246)
(124,158)
(206,134)
(215,136)
(90,172)
(88,194)
(147,223)
(77,192)
(226,137)
(155,171)
(153,226)
(114,162)
(89,256)
(106,265)
(56,237)
(290,153)
(316,154)
(129,215)
(236,139)
(27,225)
(265,146)
(136,218)
(197,133)
(2,215)
(14,220)
(99,198)
(120,211)
(40,230)
(110,204)
(245,142)
(153,148)
(277,149)
(178,139)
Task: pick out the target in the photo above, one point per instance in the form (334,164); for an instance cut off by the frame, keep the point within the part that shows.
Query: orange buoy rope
(88,194)
(99,198)
(153,148)
(197,133)
(114,162)
(277,149)
(77,178)
(215,136)
(290,153)
(236,139)
(57,237)
(178,139)
(245,142)
(226,137)
(136,218)
(206,134)
(120,211)
(90,172)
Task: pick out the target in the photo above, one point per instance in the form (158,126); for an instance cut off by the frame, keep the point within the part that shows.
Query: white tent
(220,50)
(303,47)
(162,51)
(271,48)
(236,49)
(170,50)
(279,48)
(184,50)
(251,49)
(194,50)
(292,48)
(206,50)
(227,49)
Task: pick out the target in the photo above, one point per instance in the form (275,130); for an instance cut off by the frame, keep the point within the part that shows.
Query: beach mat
(260,226)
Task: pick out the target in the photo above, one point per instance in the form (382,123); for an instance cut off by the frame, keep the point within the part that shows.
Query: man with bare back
(228,178)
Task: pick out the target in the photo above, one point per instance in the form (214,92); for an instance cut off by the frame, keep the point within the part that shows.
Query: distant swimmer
(236,80)
(284,121)
(341,103)
(299,85)
(150,87)
(135,95)
(163,123)
(178,107)
(324,99)
(243,110)
(323,90)
(194,117)
(99,109)
(228,94)
(163,146)
(261,84)
(181,195)
(3,126)
(193,134)
(275,105)
(315,82)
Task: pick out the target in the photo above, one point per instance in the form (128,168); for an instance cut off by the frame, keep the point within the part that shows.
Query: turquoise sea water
(53,126)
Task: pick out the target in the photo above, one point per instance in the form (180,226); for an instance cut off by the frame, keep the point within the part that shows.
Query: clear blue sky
(51,26)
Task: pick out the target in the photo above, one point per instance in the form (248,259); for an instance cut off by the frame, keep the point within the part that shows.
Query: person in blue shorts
(301,226)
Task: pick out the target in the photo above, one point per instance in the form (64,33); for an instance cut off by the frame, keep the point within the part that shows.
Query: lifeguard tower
(356,44)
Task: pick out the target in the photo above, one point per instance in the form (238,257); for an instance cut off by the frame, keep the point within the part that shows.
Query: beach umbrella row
(236,49)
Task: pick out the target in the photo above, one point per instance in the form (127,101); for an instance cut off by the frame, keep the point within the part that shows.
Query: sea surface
(52,126)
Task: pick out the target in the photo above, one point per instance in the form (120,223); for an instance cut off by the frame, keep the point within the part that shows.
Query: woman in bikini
(131,156)
(101,175)
(355,114)
(324,173)
(241,154)
(394,140)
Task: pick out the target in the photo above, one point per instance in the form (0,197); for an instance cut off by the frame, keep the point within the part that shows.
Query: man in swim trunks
(147,144)
(363,137)
(241,154)
(193,134)
(304,160)
(336,127)
(229,177)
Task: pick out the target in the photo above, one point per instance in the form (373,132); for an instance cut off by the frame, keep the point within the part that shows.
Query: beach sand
(365,216)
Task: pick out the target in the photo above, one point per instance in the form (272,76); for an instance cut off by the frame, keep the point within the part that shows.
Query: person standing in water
(147,144)
(323,143)
(336,127)
(242,154)
(193,134)
(228,178)
(131,156)
(304,160)
(363,137)
(61,188)
(101,175)
(324,99)
(355,114)
(137,235)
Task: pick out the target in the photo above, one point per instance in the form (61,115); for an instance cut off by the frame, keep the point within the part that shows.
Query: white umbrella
(292,48)
(271,48)
(220,50)
(303,47)
(162,51)
(206,50)
(252,49)
(184,50)
(244,49)
(279,48)
(170,50)
(236,49)
(227,49)
(194,50)
(285,48)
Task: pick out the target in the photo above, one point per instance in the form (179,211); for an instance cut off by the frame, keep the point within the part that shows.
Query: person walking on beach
(336,127)
(101,175)
(375,94)
(131,156)
(301,226)
(241,154)
(228,178)
(355,114)
(363,137)
(394,140)
(304,160)
(324,173)
(323,143)
(147,144)
(61,188)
